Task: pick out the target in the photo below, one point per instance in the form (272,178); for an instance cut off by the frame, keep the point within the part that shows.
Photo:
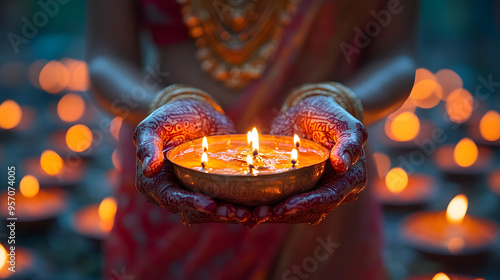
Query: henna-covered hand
(321,119)
(169,126)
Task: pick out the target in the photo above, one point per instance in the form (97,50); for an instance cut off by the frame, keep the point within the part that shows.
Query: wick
(255,153)
(297,145)
(251,167)
(203,165)
(293,163)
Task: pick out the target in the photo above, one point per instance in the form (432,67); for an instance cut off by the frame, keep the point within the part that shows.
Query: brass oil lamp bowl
(249,169)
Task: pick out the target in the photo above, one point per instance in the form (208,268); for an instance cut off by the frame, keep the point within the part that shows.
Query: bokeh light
(382,163)
(404,127)
(115,125)
(489,126)
(3,256)
(71,107)
(78,75)
(440,276)
(115,158)
(79,138)
(459,105)
(449,81)
(51,162)
(54,77)
(465,152)
(10,114)
(396,180)
(107,211)
(29,186)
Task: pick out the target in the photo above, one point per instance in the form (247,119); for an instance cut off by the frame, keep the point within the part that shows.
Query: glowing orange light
(51,162)
(204,159)
(449,81)
(10,114)
(489,126)
(426,94)
(29,186)
(396,180)
(71,107)
(456,244)
(465,152)
(249,138)
(204,144)
(78,74)
(114,127)
(54,77)
(255,141)
(403,127)
(459,105)
(115,158)
(440,276)
(78,138)
(294,157)
(296,140)
(382,163)
(107,211)
(3,256)
(456,210)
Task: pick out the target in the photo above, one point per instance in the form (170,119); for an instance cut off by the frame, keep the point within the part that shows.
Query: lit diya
(95,221)
(465,159)
(35,206)
(52,170)
(399,189)
(443,276)
(249,169)
(24,261)
(450,233)
(486,131)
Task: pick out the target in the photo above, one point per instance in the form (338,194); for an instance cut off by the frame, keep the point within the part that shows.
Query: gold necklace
(236,38)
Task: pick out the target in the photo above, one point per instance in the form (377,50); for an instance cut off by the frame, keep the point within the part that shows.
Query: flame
(459,105)
(404,127)
(78,74)
(204,144)
(3,256)
(382,163)
(489,126)
(54,77)
(79,138)
(29,186)
(456,244)
(51,162)
(249,160)
(396,180)
(294,156)
(456,210)
(71,107)
(115,126)
(465,152)
(204,159)
(10,114)
(249,138)
(255,141)
(107,211)
(440,276)
(296,140)
(115,158)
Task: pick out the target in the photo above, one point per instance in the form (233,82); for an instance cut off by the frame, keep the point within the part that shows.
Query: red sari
(149,242)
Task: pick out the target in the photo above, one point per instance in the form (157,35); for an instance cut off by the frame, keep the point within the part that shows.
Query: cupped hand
(321,119)
(169,126)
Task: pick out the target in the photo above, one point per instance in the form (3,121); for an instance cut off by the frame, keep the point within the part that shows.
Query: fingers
(320,200)
(149,148)
(348,148)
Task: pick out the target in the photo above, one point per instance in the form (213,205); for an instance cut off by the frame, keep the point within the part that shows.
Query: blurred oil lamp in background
(443,276)
(486,131)
(10,114)
(95,221)
(35,205)
(450,232)
(51,170)
(399,189)
(464,159)
(70,107)
(459,105)
(26,264)
(403,129)
(249,169)
(53,77)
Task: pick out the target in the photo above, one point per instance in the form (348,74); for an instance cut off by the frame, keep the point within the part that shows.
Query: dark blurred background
(462,37)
